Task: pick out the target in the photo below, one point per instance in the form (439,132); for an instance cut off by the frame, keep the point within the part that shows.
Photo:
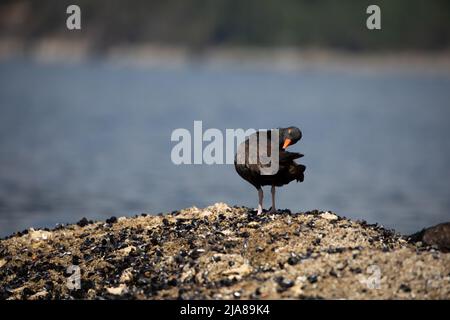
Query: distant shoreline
(277,59)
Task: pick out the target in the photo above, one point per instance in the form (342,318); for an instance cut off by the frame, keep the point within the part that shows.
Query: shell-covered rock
(221,252)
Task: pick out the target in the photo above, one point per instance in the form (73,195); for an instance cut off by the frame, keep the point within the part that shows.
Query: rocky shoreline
(283,59)
(223,252)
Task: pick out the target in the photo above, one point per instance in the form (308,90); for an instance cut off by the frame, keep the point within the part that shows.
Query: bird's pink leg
(273,210)
(260,200)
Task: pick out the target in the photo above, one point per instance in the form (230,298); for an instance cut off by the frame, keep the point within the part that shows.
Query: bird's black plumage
(288,169)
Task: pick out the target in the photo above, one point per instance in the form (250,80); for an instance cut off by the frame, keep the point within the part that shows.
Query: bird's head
(289,136)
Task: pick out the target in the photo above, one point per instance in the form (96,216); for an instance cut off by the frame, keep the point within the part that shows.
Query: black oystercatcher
(288,169)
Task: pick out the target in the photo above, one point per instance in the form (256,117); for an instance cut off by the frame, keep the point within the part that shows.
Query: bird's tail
(297,171)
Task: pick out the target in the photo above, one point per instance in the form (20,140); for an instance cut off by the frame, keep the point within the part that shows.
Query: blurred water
(93,140)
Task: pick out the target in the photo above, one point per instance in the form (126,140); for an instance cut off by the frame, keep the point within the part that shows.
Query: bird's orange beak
(287,142)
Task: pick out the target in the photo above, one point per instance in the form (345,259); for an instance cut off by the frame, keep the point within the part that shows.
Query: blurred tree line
(406,24)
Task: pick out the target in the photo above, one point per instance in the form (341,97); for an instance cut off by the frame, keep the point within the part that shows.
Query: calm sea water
(93,140)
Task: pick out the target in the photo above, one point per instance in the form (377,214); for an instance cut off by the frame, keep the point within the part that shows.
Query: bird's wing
(286,156)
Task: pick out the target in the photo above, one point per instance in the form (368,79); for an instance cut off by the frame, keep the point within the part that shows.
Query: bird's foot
(260,208)
(273,211)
